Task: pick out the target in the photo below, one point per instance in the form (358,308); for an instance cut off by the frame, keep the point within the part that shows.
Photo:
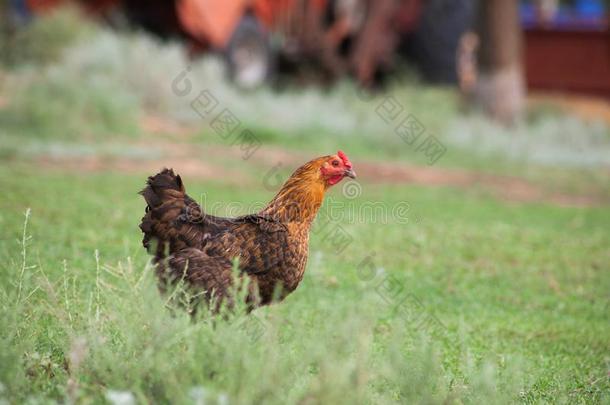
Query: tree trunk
(500,86)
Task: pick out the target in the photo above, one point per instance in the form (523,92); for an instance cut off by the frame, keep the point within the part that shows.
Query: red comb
(345,159)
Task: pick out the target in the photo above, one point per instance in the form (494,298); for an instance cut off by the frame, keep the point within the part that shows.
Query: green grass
(43,40)
(522,291)
(55,106)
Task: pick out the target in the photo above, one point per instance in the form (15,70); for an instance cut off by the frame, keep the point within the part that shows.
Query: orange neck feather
(301,196)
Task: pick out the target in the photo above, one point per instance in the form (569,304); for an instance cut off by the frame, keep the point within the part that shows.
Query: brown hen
(270,246)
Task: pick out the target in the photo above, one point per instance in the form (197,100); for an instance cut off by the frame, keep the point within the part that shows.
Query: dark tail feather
(161,186)
(164,195)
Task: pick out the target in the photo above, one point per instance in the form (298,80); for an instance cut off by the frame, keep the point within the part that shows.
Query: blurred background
(514,81)
(489,119)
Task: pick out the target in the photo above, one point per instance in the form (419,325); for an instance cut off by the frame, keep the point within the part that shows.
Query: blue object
(590,8)
(582,14)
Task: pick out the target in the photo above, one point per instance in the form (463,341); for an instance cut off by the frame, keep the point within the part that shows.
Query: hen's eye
(335,163)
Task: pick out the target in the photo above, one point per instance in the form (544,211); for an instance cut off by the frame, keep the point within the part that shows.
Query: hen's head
(334,168)
(305,189)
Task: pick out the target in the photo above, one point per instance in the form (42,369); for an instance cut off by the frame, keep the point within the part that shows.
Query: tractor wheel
(248,55)
(435,42)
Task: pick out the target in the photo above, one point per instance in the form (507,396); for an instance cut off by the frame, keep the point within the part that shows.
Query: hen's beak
(350,173)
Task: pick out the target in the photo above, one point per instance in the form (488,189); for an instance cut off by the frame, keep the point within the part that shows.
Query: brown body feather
(271,246)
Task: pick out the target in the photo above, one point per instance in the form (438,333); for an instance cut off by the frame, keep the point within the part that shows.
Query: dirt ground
(196,162)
